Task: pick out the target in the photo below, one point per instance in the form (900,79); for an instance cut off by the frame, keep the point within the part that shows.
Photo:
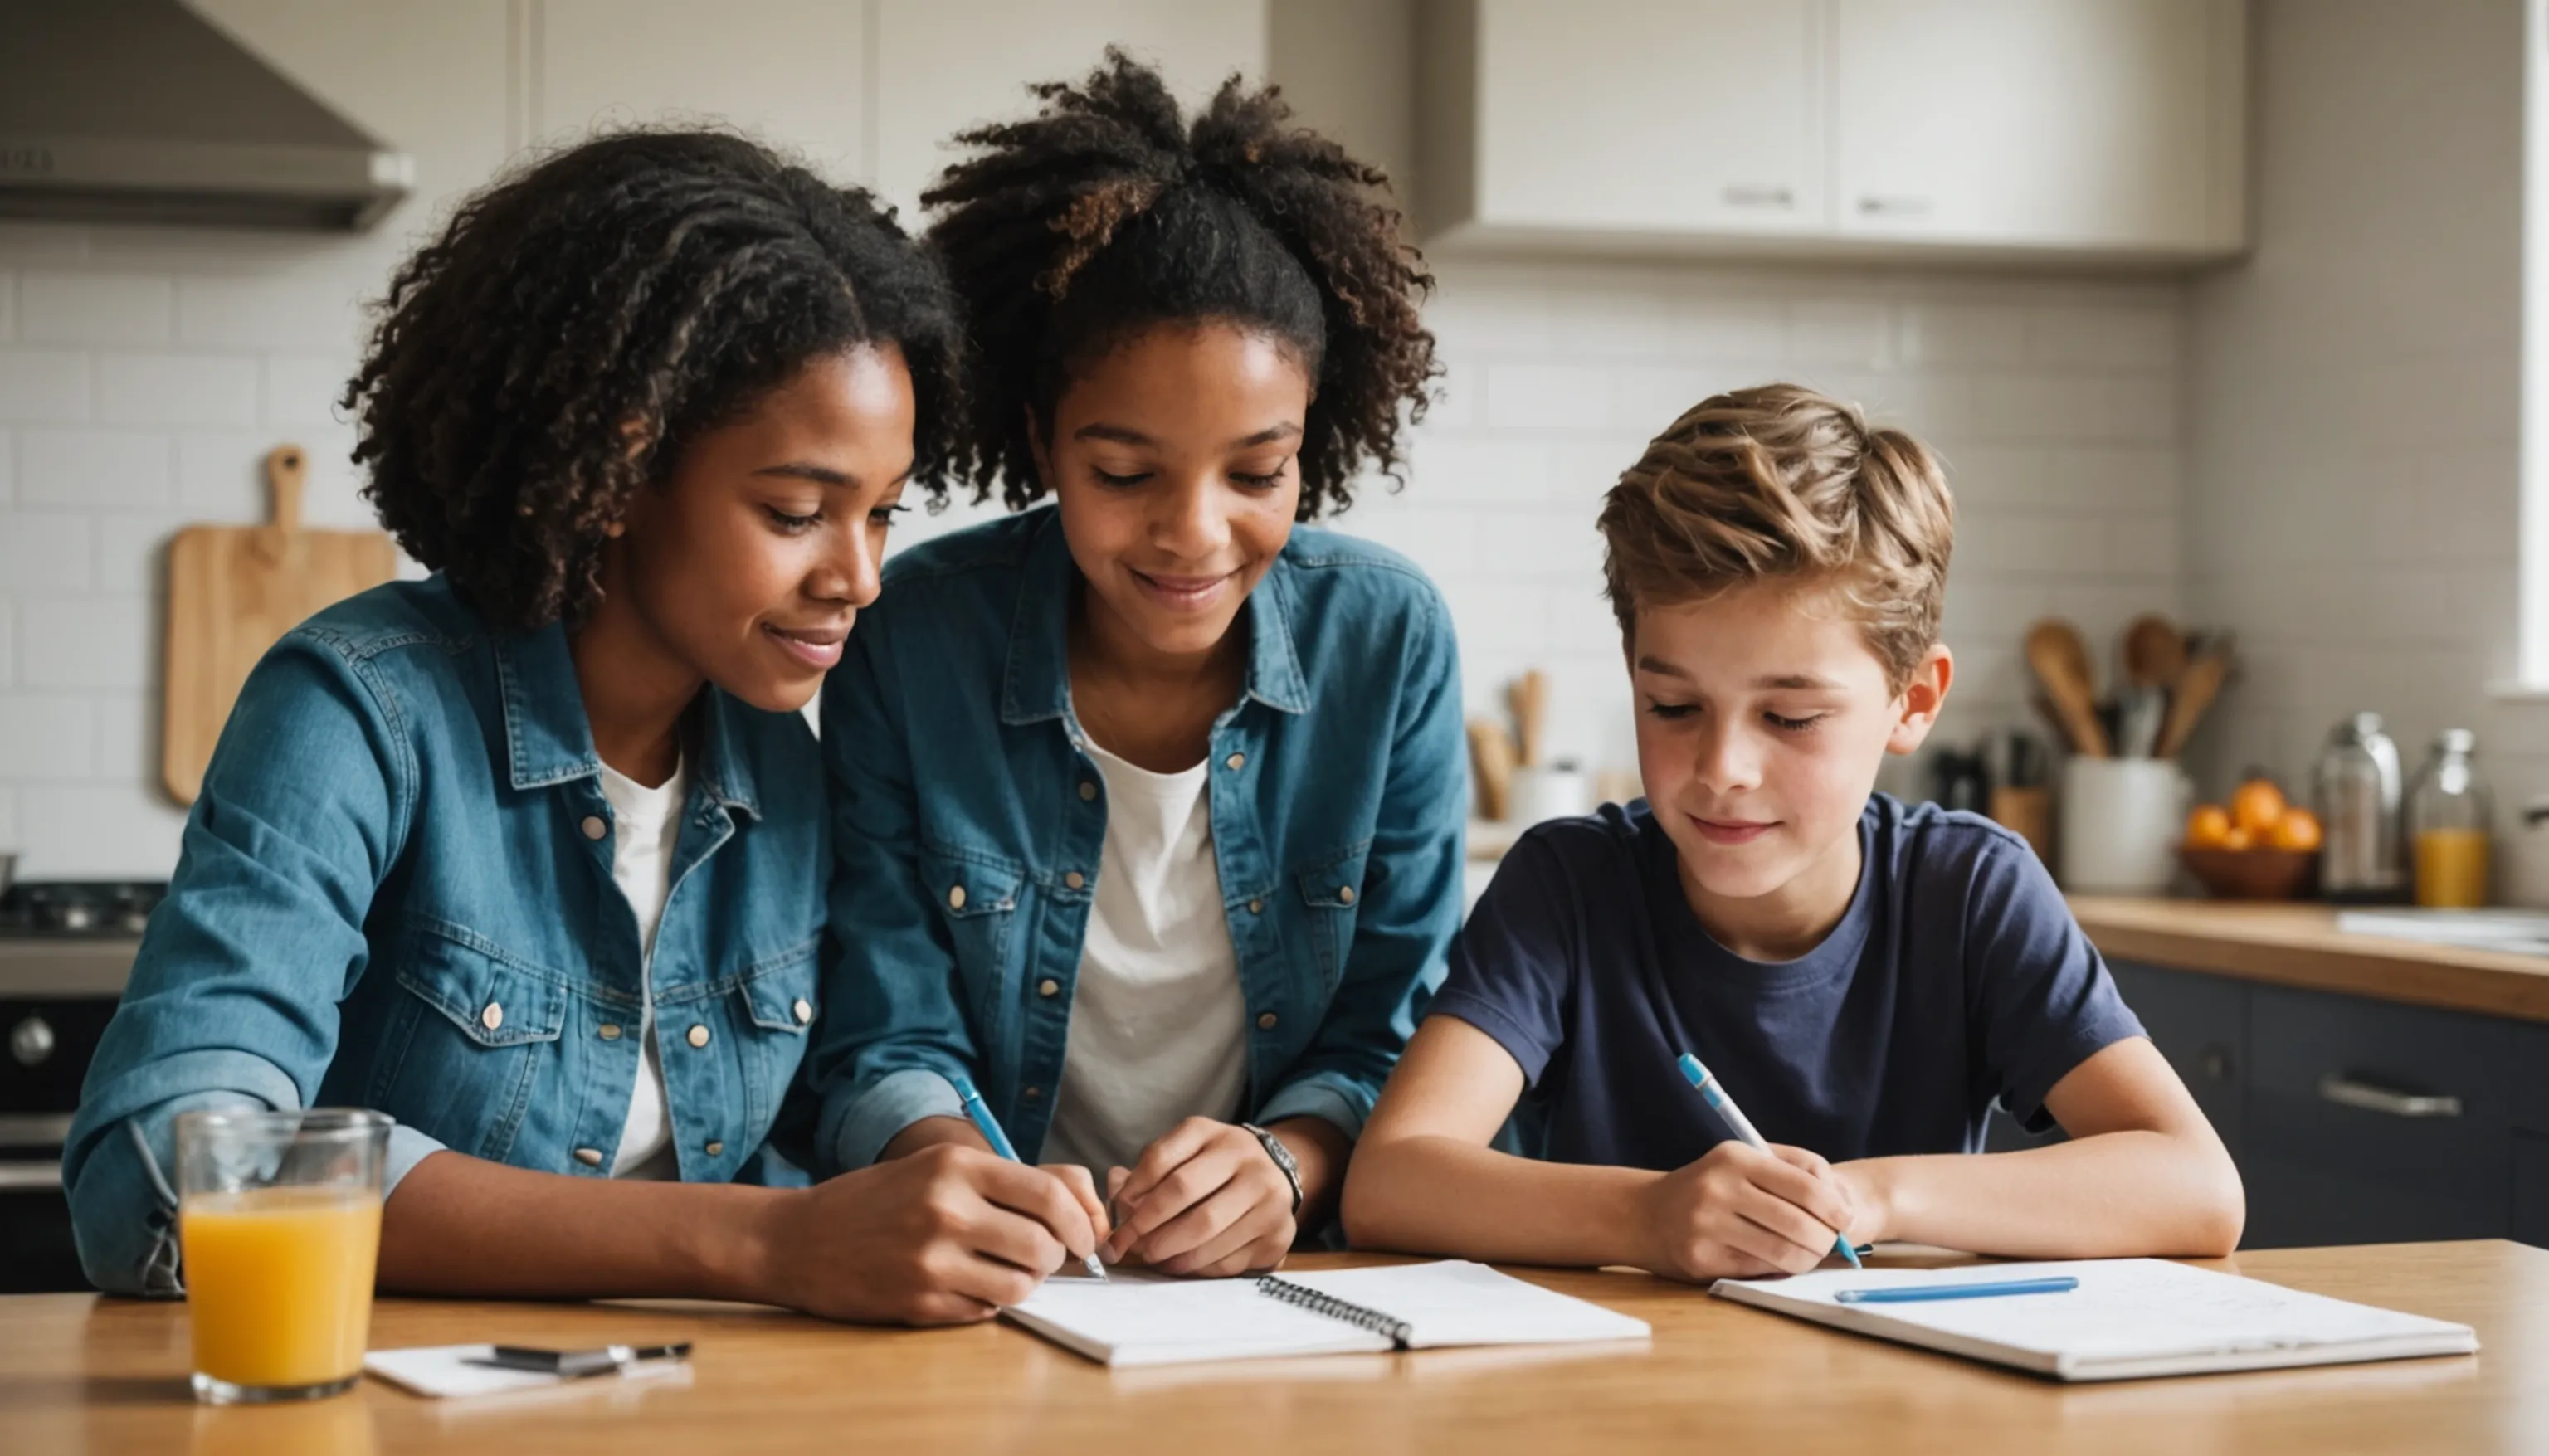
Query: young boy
(1865,979)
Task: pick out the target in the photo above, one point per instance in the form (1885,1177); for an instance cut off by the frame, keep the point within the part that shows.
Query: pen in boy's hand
(1706,1082)
(990,1128)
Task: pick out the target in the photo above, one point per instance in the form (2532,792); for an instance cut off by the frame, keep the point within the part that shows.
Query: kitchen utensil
(2052,720)
(233,593)
(2359,794)
(1543,791)
(2205,673)
(2154,651)
(1491,757)
(1528,698)
(2144,713)
(2060,661)
(2022,760)
(2251,874)
(2119,822)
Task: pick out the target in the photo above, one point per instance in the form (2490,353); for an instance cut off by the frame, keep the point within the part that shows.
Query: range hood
(140,111)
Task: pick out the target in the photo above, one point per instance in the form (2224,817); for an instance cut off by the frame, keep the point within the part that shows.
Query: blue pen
(1715,1095)
(990,1128)
(1906,1294)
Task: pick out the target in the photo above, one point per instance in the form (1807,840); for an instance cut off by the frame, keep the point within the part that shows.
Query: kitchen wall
(143,373)
(2353,411)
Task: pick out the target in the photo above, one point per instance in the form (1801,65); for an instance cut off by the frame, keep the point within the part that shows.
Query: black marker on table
(577,1364)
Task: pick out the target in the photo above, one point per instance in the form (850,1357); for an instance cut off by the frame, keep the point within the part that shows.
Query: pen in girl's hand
(990,1128)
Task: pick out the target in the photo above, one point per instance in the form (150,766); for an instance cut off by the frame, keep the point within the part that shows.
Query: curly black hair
(1107,213)
(578,324)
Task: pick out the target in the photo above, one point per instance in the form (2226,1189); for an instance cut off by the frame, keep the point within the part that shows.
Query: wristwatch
(1282,1157)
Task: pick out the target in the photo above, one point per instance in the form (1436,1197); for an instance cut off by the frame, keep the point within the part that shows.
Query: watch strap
(1283,1159)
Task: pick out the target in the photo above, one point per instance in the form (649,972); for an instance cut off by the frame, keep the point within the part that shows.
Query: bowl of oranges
(2257,847)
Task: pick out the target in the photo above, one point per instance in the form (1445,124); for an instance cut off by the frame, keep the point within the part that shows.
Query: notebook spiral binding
(1362,1316)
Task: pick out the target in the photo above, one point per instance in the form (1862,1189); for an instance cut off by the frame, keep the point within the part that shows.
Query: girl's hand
(1203,1200)
(946,1235)
(1739,1213)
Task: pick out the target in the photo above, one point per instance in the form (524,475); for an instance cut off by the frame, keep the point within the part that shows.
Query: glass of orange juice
(279,1225)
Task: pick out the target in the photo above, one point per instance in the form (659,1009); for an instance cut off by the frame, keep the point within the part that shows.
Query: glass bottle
(2359,799)
(2447,825)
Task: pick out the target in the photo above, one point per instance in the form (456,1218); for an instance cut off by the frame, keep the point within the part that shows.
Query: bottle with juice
(279,1227)
(2447,825)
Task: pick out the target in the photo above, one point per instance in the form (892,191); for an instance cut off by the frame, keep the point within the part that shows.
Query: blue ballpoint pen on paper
(990,1128)
(1715,1095)
(1908,1294)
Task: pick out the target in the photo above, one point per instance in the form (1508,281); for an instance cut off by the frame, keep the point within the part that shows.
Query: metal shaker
(2358,792)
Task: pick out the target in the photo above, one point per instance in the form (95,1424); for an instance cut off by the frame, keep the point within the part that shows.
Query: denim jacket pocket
(1331,887)
(776,999)
(977,897)
(477,1028)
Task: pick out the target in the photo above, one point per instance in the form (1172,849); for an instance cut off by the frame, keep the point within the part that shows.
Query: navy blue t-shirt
(1958,978)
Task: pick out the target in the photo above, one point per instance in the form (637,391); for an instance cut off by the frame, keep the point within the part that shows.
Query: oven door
(47,1045)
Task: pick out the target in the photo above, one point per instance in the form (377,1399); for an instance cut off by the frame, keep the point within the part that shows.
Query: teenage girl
(529,854)
(1149,801)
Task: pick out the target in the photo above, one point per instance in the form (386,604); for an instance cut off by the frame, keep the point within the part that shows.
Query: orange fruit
(2237,839)
(2207,827)
(2298,828)
(2257,806)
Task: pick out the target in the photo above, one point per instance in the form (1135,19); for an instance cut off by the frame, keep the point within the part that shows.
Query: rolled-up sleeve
(234,996)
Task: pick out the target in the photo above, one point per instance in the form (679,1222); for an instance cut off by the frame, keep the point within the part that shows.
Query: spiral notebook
(1133,1319)
(2128,1319)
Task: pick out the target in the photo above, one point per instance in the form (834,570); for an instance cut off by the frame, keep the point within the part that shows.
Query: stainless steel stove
(66,951)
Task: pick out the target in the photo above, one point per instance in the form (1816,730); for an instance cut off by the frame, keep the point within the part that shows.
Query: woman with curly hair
(1148,802)
(529,853)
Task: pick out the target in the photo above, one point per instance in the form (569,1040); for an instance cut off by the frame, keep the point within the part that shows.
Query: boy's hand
(1739,1213)
(1203,1200)
(946,1235)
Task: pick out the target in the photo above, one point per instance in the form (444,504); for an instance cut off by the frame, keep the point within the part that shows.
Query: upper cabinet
(946,65)
(2068,129)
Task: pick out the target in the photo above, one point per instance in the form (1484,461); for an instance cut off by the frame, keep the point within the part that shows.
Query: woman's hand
(1205,1200)
(946,1235)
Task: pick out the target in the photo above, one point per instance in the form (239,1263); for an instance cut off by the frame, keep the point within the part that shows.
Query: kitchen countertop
(2293,945)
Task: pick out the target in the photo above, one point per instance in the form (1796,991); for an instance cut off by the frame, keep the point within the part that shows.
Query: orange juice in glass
(279,1226)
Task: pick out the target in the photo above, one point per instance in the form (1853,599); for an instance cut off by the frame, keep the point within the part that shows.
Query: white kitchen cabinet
(2103,124)
(945,66)
(2066,128)
(1629,116)
(789,71)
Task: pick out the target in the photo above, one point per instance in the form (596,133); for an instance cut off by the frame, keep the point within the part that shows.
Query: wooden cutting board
(233,593)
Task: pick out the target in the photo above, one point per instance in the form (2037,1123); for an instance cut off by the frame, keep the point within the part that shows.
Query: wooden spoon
(2154,651)
(2195,693)
(2061,663)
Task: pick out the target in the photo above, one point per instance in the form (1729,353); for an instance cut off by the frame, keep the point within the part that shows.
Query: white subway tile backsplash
(1945,333)
(8,468)
(85,641)
(47,386)
(128,732)
(320,311)
(112,309)
(303,388)
(2142,338)
(1708,324)
(91,830)
(48,736)
(8,644)
(1840,330)
(46,551)
(177,389)
(1555,397)
(92,469)
(132,550)
(8,306)
(2041,408)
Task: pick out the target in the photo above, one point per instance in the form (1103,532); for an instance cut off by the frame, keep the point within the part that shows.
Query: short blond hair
(1780,482)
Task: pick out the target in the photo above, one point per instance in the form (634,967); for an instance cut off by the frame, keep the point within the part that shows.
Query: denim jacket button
(594,828)
(699,1037)
(608,1031)
(1256,907)
(1265,1021)
(1048,987)
(804,1011)
(1074,880)
(1235,762)
(1032,1093)
(1087,790)
(956,897)
(1344,894)
(715,1149)
(493,1017)
(590,1158)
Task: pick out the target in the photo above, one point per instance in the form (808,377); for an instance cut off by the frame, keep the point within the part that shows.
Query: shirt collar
(1037,684)
(548,740)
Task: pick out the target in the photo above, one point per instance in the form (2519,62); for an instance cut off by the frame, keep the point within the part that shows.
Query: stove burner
(91,909)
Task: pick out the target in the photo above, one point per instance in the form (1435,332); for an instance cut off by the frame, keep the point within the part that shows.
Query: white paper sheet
(445,1371)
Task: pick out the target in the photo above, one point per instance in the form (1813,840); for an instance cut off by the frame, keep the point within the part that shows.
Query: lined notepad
(1133,1319)
(2128,1319)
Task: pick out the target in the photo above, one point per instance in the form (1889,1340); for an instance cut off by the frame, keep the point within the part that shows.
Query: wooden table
(80,1374)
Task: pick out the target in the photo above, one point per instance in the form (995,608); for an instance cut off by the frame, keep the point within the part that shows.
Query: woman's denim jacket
(968,820)
(395,893)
